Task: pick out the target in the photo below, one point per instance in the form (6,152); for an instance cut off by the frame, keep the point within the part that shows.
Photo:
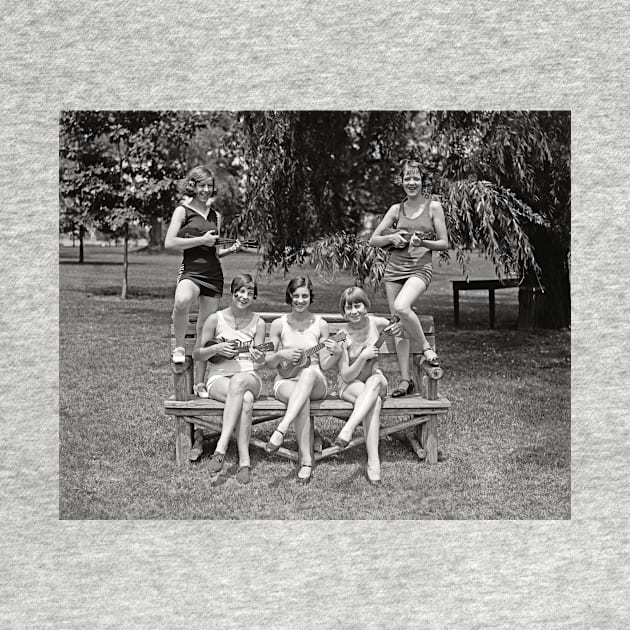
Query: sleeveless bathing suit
(201,264)
(291,338)
(411,261)
(241,362)
(354,349)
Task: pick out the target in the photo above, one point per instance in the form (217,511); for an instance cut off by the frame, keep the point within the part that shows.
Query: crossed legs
(237,393)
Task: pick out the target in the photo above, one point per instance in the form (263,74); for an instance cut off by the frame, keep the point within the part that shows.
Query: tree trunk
(123,295)
(155,234)
(81,235)
(552,307)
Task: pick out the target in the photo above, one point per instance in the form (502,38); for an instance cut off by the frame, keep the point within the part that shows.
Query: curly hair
(196,175)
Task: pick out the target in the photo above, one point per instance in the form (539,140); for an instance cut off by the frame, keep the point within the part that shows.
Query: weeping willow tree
(502,177)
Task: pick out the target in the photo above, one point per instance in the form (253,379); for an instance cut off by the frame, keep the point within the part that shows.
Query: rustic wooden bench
(479,285)
(414,416)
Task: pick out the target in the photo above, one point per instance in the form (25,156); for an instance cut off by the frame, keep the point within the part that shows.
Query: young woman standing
(413,229)
(194,230)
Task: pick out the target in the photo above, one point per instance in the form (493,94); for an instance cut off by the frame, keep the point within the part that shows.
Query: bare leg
(402,344)
(185,293)
(372,425)
(207,306)
(244,429)
(305,442)
(364,400)
(410,292)
(310,385)
(231,392)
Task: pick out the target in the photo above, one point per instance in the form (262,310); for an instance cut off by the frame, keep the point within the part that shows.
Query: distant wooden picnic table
(490,285)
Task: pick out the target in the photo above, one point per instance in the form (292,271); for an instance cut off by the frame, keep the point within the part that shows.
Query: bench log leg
(183,440)
(426,433)
(491,306)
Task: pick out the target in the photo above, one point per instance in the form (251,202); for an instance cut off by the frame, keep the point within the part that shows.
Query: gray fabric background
(565,55)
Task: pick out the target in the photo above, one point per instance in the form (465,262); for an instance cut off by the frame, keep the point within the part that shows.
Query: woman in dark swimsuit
(194,231)
(409,269)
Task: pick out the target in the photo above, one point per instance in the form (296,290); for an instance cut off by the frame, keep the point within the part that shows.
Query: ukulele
(240,346)
(366,370)
(288,369)
(191,232)
(425,236)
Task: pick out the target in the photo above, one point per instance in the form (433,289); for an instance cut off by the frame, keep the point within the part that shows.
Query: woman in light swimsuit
(361,381)
(232,377)
(292,335)
(421,230)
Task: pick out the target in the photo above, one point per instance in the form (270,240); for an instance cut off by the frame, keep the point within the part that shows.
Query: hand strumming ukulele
(239,346)
(288,369)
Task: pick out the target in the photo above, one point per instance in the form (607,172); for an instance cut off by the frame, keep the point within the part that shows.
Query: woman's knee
(403,310)
(182,303)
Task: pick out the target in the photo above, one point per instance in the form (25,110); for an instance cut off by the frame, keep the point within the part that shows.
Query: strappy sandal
(433,358)
(270,447)
(403,391)
(304,481)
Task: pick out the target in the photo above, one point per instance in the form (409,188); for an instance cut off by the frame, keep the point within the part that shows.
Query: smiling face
(243,297)
(204,189)
(355,311)
(300,299)
(412,181)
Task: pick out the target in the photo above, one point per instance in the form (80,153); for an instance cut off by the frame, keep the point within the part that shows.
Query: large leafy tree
(312,173)
(503,179)
(123,167)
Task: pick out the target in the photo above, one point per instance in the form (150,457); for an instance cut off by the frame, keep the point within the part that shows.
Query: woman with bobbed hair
(194,230)
(301,352)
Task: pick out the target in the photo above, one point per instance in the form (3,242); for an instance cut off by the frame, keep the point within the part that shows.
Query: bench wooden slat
(268,405)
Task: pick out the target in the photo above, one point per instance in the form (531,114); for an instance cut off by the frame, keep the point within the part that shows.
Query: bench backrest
(335,323)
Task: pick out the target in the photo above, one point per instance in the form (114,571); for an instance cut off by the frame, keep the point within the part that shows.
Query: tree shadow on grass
(135,293)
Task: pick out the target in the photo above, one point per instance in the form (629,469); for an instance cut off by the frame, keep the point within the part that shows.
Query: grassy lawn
(507,438)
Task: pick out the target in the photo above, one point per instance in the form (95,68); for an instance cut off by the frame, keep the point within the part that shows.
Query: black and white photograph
(315,314)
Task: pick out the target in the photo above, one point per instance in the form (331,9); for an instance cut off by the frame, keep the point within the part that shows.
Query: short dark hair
(296,283)
(243,280)
(196,175)
(353,294)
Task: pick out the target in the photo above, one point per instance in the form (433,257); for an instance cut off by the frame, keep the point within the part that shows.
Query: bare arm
(378,240)
(207,333)
(273,359)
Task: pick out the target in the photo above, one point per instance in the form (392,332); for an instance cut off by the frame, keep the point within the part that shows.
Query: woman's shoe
(430,356)
(179,355)
(374,476)
(304,481)
(340,442)
(200,390)
(244,474)
(216,463)
(270,447)
(403,391)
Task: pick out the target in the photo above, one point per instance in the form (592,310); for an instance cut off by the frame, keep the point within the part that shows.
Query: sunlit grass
(506,439)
